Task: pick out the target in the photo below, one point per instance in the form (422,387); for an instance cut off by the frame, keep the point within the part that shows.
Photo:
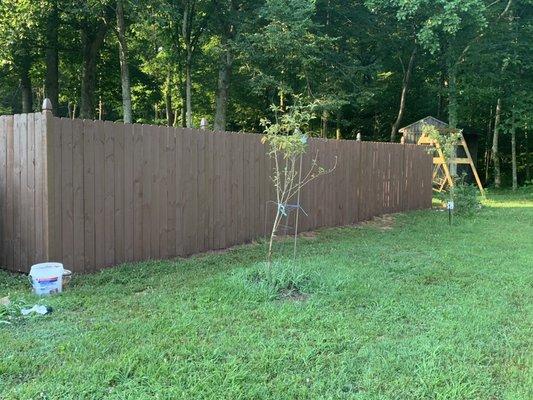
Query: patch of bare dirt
(308,235)
(384,223)
(292,295)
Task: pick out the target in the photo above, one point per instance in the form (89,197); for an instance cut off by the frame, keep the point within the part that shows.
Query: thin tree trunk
(528,164)
(183,106)
(182,115)
(224,76)
(513,152)
(100,109)
(124,67)
(440,97)
(51,81)
(338,127)
(186,32)
(495,152)
(272,236)
(487,148)
(227,29)
(188,92)
(405,87)
(91,45)
(176,113)
(325,124)
(25,85)
(168,98)
(487,163)
(452,106)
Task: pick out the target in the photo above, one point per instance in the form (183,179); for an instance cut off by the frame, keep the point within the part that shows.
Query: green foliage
(413,312)
(286,135)
(446,138)
(466,198)
(346,58)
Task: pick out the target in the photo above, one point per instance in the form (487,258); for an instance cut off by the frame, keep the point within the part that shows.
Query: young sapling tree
(287,144)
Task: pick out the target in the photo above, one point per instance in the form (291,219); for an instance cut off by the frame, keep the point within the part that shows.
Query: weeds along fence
(93,194)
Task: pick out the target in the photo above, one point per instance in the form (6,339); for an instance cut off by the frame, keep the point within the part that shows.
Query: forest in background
(366,66)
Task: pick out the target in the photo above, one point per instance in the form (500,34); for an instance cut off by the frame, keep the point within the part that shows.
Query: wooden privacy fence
(93,194)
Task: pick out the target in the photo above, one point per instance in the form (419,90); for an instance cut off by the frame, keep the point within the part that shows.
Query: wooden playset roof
(416,127)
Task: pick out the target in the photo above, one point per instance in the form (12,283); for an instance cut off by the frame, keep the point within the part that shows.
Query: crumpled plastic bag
(38,309)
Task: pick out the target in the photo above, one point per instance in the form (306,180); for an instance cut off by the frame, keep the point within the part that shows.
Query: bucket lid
(46,268)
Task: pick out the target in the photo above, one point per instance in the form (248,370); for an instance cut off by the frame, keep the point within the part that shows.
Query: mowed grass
(419,311)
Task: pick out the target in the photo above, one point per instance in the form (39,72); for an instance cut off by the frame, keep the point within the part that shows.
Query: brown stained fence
(93,194)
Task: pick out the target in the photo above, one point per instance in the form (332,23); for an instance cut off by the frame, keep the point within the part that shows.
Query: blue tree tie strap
(283,208)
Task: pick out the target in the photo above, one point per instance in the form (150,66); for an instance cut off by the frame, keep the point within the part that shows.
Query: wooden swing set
(442,177)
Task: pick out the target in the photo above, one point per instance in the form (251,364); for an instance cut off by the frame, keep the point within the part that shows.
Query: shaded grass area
(422,310)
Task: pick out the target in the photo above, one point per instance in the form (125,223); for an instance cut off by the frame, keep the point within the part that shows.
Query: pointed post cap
(47,105)
(203,123)
(358,138)
(402,140)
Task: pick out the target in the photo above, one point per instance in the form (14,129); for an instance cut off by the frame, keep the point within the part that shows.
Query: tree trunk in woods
(100,109)
(325,124)
(513,156)
(452,97)
(281,100)
(495,152)
(92,41)
(224,76)
(51,81)
(188,93)
(168,98)
(186,32)
(513,151)
(405,87)
(528,164)
(183,107)
(452,106)
(176,113)
(487,164)
(124,66)
(25,85)
(440,97)
(487,148)
(338,127)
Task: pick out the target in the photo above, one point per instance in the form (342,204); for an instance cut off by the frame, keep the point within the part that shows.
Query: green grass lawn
(417,311)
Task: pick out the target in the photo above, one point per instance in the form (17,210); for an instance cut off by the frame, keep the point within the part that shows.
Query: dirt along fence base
(93,194)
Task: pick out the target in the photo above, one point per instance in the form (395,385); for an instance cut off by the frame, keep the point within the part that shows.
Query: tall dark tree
(51,82)
(124,64)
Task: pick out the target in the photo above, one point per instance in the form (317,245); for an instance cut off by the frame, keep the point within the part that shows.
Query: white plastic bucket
(47,278)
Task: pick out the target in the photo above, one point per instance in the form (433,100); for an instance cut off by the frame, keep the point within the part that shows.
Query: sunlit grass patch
(419,310)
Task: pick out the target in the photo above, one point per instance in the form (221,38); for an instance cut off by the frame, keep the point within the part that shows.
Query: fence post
(48,186)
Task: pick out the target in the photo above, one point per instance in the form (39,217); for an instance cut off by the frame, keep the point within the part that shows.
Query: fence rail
(93,194)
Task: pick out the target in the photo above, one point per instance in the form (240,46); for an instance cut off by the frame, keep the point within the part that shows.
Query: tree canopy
(365,66)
